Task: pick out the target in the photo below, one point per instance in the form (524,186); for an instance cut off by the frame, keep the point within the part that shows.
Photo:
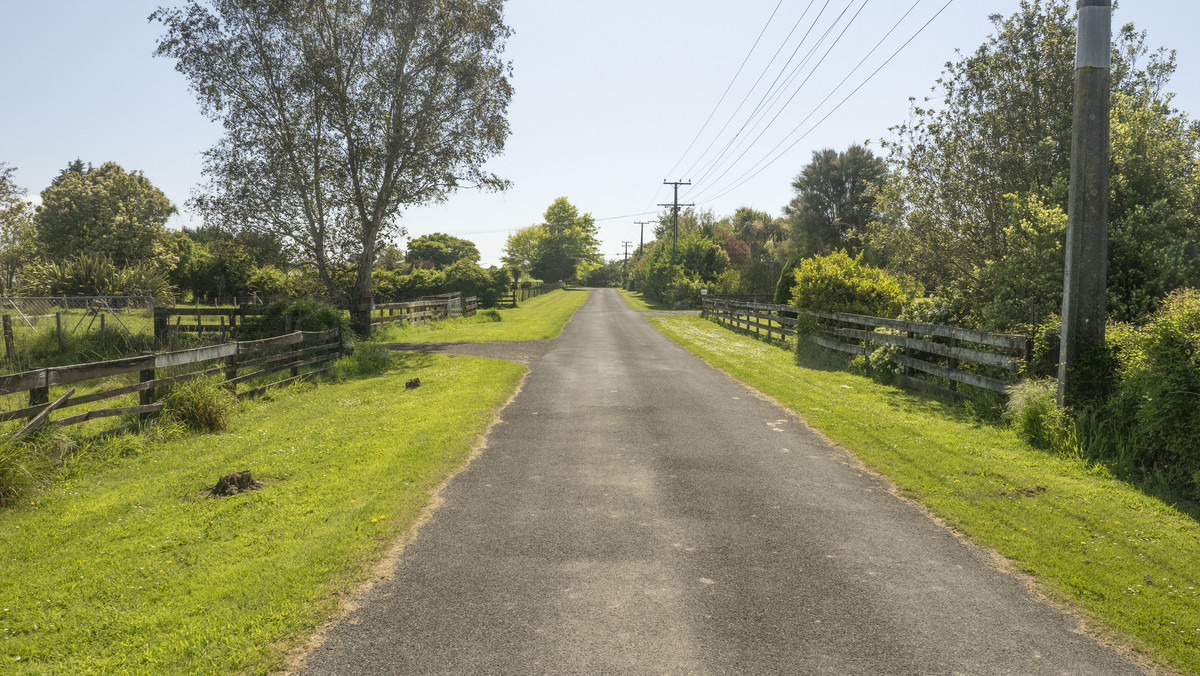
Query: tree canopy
(564,247)
(833,205)
(103,210)
(441,250)
(16,228)
(337,115)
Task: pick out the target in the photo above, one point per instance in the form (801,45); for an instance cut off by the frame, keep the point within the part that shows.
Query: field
(540,318)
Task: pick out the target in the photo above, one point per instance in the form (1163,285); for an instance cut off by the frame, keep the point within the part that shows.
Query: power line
(761,75)
(675,210)
(715,161)
(795,93)
(744,178)
(727,89)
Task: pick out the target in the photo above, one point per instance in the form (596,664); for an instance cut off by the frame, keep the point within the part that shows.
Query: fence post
(40,394)
(58,330)
(160,324)
(953,364)
(103,334)
(9,348)
(231,367)
(147,396)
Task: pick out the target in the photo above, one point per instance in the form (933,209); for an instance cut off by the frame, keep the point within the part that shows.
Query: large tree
(16,228)
(833,202)
(563,248)
(441,250)
(103,210)
(975,202)
(338,115)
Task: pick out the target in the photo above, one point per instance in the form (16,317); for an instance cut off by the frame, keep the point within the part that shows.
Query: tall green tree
(16,229)
(103,210)
(980,174)
(441,249)
(564,247)
(337,115)
(833,202)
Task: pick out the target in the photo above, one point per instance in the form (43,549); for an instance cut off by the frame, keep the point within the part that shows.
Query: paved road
(642,513)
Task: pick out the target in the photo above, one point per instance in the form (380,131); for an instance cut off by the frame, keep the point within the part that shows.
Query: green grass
(1121,558)
(538,318)
(638,301)
(124,567)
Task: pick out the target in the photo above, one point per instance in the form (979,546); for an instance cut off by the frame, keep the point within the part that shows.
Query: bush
(202,404)
(308,315)
(1033,411)
(839,283)
(1158,389)
(368,359)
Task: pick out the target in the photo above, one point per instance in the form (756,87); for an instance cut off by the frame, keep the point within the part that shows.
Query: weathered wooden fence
(954,355)
(255,365)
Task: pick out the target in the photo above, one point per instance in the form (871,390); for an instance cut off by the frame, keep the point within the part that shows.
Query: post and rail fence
(520,295)
(249,364)
(957,356)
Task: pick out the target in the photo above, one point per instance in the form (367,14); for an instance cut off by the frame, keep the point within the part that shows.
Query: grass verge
(125,567)
(638,301)
(538,318)
(1126,560)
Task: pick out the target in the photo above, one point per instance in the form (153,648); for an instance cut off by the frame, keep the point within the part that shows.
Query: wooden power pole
(1086,275)
(675,211)
(642,237)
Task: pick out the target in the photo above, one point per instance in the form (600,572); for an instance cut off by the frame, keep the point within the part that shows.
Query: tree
(441,250)
(338,115)
(105,211)
(16,229)
(564,247)
(833,202)
(979,178)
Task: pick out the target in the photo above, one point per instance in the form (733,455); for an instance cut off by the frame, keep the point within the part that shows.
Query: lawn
(638,301)
(125,567)
(538,318)
(1123,560)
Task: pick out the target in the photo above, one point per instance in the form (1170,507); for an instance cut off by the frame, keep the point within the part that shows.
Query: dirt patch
(234,483)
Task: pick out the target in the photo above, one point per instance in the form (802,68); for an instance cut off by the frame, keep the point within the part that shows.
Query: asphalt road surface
(639,512)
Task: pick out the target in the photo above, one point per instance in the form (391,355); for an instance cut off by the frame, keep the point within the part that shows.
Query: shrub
(308,314)
(97,275)
(202,404)
(368,359)
(839,283)
(1158,391)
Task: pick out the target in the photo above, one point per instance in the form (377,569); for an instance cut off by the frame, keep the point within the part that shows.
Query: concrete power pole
(626,245)
(1086,276)
(675,211)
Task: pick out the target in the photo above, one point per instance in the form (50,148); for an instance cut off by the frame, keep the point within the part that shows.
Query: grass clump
(367,359)
(201,404)
(1112,549)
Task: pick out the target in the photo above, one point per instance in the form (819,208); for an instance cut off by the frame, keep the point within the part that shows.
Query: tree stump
(233,484)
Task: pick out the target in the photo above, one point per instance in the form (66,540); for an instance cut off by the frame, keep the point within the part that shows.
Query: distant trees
(337,115)
(103,210)
(564,247)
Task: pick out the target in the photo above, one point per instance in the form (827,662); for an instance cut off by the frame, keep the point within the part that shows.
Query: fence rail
(929,349)
(520,295)
(242,363)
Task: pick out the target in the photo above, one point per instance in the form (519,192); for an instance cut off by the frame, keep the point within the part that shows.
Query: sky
(609,97)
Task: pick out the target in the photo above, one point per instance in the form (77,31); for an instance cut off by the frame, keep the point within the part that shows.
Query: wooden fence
(928,349)
(521,295)
(243,364)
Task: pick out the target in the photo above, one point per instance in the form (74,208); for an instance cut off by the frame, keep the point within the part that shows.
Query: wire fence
(76,313)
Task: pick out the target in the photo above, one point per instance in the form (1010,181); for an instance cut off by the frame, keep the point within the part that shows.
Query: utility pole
(1086,274)
(642,237)
(626,246)
(675,210)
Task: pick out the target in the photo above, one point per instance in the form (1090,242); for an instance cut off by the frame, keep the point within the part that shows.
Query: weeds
(202,404)
(368,359)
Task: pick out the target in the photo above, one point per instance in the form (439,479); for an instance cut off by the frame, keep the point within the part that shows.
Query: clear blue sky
(608,97)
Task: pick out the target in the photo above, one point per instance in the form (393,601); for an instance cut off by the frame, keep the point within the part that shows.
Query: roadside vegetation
(640,302)
(538,318)
(122,564)
(1126,560)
